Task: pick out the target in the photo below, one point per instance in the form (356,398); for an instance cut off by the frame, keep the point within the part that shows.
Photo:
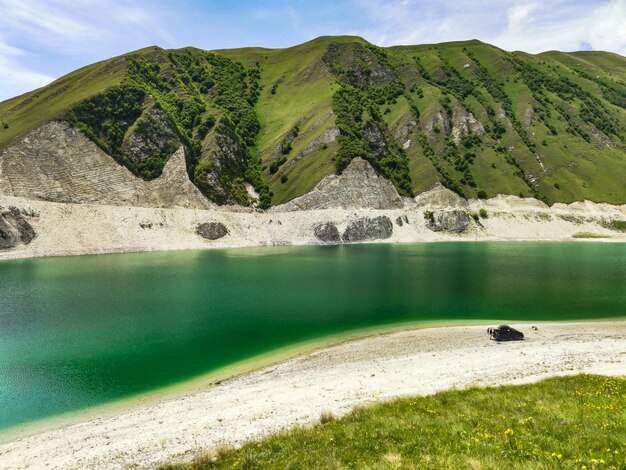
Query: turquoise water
(83,331)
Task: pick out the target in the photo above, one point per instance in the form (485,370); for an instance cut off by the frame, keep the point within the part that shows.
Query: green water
(82,331)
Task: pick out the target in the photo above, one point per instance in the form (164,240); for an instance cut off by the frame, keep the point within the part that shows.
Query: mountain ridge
(478,119)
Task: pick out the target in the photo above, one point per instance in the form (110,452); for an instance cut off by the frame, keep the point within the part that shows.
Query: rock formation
(366,228)
(57,163)
(462,123)
(359,186)
(14,227)
(327,233)
(212,230)
(153,138)
(220,173)
(447,221)
(440,197)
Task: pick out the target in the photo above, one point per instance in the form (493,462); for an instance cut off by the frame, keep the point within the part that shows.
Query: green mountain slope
(478,119)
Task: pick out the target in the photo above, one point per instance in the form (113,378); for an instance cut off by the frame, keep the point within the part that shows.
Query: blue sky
(41,40)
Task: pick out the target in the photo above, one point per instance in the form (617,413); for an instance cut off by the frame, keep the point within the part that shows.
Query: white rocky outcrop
(464,122)
(460,123)
(440,197)
(358,187)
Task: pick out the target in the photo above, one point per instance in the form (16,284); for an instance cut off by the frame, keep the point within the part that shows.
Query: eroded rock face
(154,138)
(359,66)
(366,228)
(57,163)
(463,122)
(440,197)
(375,137)
(330,134)
(448,221)
(212,230)
(224,166)
(285,144)
(358,187)
(327,233)
(327,137)
(14,227)
(458,123)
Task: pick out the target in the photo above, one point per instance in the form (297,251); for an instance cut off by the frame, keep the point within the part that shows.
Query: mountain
(264,126)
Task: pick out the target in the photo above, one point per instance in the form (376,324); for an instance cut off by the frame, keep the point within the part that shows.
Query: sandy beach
(333,379)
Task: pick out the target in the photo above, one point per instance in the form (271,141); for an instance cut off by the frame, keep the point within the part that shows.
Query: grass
(303,87)
(303,97)
(574,422)
(26,112)
(588,235)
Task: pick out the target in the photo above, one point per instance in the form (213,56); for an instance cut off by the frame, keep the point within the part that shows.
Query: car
(505,333)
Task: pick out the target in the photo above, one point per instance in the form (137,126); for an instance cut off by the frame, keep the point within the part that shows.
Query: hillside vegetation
(561,423)
(480,120)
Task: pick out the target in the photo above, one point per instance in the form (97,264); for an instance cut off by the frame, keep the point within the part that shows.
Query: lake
(76,332)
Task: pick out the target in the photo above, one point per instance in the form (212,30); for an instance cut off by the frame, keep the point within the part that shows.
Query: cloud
(420,21)
(511,24)
(519,16)
(566,27)
(75,26)
(7,50)
(517,13)
(14,77)
(606,30)
(45,38)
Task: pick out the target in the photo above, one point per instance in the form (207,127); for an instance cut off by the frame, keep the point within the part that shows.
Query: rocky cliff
(15,228)
(56,162)
(358,187)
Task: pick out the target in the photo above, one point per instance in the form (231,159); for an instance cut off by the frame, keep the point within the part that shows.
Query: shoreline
(68,229)
(228,372)
(333,374)
(22,255)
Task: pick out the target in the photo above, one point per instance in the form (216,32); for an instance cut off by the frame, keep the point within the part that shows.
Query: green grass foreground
(574,422)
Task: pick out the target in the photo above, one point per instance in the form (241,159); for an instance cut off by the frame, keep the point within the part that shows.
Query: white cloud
(517,13)
(14,77)
(420,21)
(61,35)
(77,26)
(607,28)
(511,24)
(51,37)
(598,27)
(7,50)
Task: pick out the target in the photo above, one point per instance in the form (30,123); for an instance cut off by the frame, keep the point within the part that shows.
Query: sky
(41,40)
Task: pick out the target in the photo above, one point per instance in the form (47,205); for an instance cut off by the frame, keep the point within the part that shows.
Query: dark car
(505,333)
